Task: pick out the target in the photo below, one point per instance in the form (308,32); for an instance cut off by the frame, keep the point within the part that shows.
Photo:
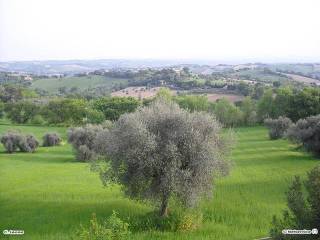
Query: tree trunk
(164,206)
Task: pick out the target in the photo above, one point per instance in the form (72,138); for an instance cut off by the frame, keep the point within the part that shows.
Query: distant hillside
(53,85)
(70,67)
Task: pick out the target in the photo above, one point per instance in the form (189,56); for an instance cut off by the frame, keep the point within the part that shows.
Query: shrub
(114,107)
(107,124)
(15,140)
(30,144)
(248,109)
(189,222)
(22,111)
(94,116)
(82,140)
(11,141)
(306,132)
(38,120)
(277,127)
(83,153)
(193,102)
(51,139)
(112,229)
(303,213)
(65,111)
(227,113)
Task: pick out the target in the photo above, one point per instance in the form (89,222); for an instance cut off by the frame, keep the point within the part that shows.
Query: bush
(38,120)
(277,127)
(107,124)
(303,213)
(30,144)
(112,229)
(227,113)
(189,222)
(306,132)
(114,107)
(65,111)
(82,140)
(11,141)
(51,139)
(22,111)
(83,153)
(94,116)
(15,140)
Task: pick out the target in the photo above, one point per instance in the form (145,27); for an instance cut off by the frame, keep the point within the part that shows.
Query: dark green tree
(114,107)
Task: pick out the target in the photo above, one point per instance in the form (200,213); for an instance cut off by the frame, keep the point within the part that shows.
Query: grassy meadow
(53,84)
(48,194)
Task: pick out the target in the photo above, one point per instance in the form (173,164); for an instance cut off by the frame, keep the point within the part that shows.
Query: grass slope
(53,84)
(48,194)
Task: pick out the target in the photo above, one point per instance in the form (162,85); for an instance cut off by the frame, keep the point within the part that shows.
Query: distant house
(28,78)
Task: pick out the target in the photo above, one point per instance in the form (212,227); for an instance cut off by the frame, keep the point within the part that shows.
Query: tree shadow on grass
(43,157)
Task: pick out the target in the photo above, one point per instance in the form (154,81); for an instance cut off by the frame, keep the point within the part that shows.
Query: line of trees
(286,102)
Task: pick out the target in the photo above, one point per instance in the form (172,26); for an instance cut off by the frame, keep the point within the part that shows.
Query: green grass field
(48,194)
(53,84)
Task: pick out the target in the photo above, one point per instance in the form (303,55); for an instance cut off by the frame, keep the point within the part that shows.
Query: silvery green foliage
(82,140)
(277,127)
(107,124)
(30,145)
(162,151)
(306,132)
(13,141)
(51,139)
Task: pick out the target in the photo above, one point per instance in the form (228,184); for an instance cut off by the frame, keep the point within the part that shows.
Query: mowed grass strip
(48,193)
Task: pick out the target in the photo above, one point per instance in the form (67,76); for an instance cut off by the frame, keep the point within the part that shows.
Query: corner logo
(13,232)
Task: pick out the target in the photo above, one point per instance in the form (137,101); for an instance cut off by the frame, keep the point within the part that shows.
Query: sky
(220,30)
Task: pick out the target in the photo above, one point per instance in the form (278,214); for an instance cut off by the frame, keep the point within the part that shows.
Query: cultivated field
(231,97)
(48,194)
(138,92)
(303,79)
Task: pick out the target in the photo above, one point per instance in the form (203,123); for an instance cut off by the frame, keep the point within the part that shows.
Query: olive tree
(12,141)
(161,151)
(51,139)
(306,132)
(82,141)
(277,127)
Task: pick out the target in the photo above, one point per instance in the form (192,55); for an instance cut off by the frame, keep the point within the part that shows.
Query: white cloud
(203,29)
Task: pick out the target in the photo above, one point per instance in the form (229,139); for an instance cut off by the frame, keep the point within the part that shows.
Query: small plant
(112,229)
(189,222)
(277,127)
(303,213)
(181,220)
(51,139)
(38,120)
